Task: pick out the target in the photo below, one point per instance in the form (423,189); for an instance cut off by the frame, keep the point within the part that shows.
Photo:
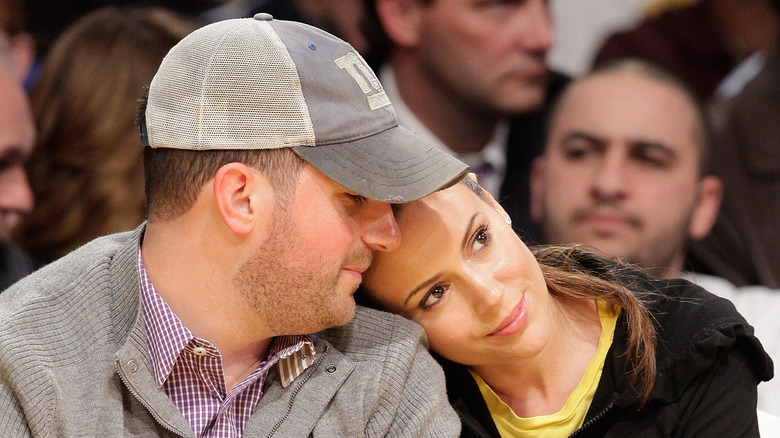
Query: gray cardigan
(74,362)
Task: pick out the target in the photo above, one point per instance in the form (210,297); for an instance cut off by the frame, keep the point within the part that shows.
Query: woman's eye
(433,296)
(481,238)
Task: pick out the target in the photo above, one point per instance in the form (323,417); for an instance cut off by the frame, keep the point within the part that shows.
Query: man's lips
(513,322)
(356,271)
(606,221)
(538,73)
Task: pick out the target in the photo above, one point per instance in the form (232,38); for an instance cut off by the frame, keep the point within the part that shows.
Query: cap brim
(394,166)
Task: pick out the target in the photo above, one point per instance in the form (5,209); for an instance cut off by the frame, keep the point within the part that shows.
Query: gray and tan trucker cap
(261,83)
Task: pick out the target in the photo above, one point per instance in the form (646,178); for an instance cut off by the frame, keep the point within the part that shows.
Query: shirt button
(331,369)
(132,366)
(200,351)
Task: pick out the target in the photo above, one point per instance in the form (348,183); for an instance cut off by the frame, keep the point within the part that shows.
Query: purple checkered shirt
(189,369)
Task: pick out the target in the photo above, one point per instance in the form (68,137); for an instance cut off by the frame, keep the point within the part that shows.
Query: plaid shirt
(189,369)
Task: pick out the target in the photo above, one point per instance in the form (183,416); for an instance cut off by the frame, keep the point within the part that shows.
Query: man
(624,172)
(471,77)
(17,136)
(624,168)
(272,153)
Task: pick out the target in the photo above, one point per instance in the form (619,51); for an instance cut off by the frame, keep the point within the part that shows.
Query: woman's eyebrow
(468,230)
(435,277)
(422,286)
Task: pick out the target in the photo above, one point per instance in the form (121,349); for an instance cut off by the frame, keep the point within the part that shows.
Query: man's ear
(537,189)
(706,209)
(401,20)
(244,197)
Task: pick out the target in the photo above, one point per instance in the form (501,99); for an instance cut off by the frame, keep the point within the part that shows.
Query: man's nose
(381,230)
(534,27)
(15,191)
(610,178)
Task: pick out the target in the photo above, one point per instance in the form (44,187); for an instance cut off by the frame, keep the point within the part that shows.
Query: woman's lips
(513,322)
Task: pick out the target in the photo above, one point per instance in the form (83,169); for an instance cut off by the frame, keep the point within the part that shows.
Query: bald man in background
(626,172)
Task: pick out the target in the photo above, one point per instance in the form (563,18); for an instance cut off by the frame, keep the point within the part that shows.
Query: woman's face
(463,274)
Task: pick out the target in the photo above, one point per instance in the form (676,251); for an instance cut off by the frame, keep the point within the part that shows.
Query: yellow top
(571,416)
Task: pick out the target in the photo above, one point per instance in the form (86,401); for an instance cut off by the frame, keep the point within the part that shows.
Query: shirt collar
(167,337)
(494,152)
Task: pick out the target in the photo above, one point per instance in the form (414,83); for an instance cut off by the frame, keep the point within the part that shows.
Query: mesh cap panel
(200,93)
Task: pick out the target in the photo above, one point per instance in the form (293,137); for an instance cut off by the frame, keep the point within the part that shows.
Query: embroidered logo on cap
(359,70)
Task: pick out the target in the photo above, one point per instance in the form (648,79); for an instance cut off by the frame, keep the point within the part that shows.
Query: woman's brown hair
(86,170)
(574,273)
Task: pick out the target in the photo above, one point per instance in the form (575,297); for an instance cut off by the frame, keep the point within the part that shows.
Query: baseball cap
(262,83)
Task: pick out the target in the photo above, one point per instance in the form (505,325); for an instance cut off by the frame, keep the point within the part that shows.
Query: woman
(550,341)
(86,170)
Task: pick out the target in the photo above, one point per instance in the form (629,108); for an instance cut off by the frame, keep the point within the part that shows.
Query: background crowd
(652,133)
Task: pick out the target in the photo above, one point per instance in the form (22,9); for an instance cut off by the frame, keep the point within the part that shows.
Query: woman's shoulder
(697,327)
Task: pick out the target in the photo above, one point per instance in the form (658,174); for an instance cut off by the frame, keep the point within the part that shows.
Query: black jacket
(708,366)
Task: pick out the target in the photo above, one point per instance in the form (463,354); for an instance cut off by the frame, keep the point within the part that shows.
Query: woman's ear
(493,203)
(244,197)
(489,198)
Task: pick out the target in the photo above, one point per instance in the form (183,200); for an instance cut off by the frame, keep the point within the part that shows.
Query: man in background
(625,172)
(624,168)
(472,78)
(17,137)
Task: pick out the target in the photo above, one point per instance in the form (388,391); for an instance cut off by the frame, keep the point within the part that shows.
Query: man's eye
(357,199)
(6,165)
(577,153)
(651,159)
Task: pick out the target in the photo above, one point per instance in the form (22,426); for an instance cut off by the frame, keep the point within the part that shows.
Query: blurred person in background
(709,44)
(17,137)
(16,45)
(624,170)
(87,170)
(744,244)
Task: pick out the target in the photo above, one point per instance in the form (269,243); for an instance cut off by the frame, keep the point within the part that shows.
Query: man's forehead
(610,112)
